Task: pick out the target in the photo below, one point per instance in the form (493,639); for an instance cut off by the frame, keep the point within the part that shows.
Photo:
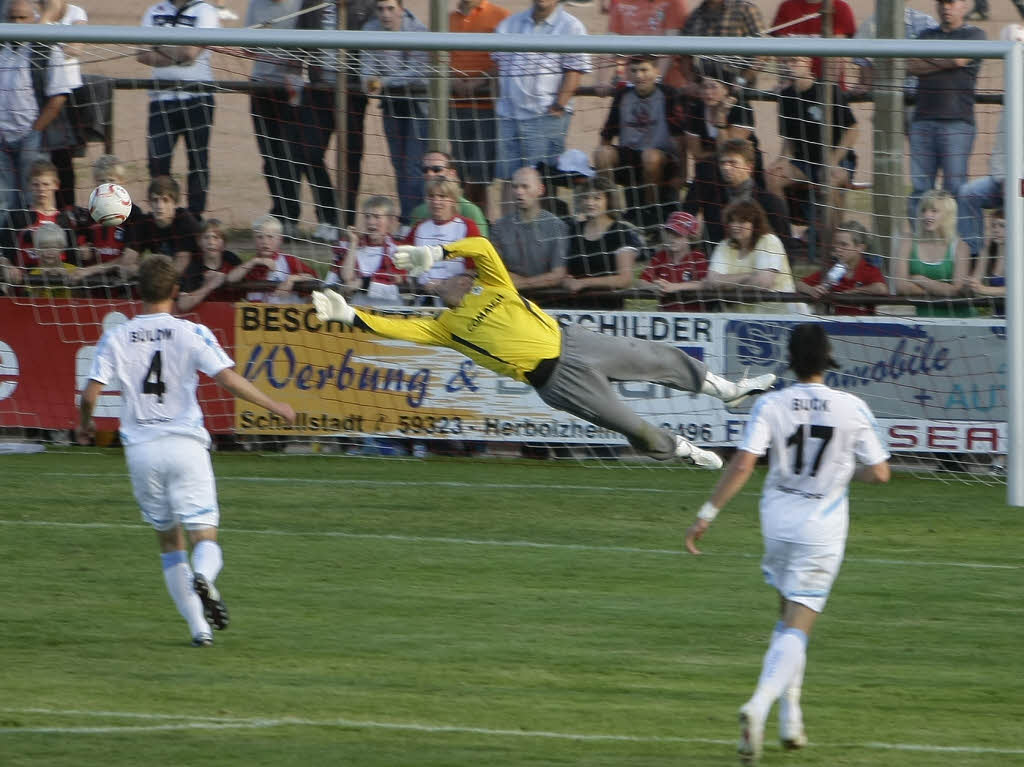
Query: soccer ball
(110,204)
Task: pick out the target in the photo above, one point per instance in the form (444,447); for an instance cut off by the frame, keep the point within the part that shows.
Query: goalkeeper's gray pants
(581,383)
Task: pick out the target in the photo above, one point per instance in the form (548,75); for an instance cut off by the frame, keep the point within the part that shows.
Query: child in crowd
(363,264)
(210,272)
(271,265)
(17,231)
(678,265)
(108,249)
(850,273)
(168,228)
(442,227)
(50,268)
(648,120)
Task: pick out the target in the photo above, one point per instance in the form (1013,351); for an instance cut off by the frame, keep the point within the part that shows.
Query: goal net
(709,202)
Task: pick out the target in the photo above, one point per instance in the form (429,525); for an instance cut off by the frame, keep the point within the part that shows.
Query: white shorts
(173,482)
(802,572)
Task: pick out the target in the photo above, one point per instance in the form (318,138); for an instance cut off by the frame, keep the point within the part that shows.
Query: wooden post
(890,194)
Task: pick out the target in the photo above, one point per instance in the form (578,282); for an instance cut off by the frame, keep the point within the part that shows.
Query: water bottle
(835,274)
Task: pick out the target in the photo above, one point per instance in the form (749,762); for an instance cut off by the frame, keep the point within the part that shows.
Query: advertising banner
(46,351)
(344,380)
(933,386)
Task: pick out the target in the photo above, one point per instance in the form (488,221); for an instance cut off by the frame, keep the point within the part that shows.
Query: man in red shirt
(472,123)
(677,266)
(843,25)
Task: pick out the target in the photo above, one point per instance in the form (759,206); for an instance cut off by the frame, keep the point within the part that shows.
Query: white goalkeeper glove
(417,259)
(332,307)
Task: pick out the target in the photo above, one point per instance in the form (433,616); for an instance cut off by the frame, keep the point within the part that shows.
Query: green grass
(381,615)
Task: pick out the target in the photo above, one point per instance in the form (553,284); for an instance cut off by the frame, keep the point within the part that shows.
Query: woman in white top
(752,256)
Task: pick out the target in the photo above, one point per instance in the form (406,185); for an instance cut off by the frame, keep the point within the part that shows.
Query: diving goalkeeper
(570,367)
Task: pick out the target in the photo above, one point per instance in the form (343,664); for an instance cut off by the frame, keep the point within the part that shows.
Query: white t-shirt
(768,254)
(154,360)
(193,15)
(816,434)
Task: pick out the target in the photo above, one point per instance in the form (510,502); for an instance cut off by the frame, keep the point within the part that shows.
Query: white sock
(207,559)
(792,691)
(718,387)
(786,655)
(178,577)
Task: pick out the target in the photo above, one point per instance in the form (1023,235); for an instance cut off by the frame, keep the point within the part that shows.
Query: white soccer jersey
(816,434)
(154,360)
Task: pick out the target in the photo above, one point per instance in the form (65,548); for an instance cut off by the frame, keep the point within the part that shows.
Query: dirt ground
(238,193)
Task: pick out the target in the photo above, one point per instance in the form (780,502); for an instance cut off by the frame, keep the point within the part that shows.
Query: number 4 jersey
(154,359)
(816,435)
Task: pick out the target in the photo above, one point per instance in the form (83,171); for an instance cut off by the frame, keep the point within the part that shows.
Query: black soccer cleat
(214,607)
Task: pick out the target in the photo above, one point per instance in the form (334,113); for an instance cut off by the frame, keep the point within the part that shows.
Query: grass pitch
(397,612)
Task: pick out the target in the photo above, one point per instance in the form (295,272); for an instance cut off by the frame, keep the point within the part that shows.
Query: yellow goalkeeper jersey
(494,326)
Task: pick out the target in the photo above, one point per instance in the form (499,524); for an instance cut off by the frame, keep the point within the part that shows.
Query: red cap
(682,223)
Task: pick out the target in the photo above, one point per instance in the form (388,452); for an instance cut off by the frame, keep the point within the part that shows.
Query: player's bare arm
(732,481)
(243,389)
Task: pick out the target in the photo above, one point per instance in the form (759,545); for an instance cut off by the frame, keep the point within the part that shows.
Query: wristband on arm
(707,512)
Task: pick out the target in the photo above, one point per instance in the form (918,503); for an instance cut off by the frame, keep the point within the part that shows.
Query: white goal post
(1011,55)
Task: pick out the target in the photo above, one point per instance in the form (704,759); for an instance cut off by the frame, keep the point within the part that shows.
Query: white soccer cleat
(751,743)
(746,387)
(697,456)
(791,725)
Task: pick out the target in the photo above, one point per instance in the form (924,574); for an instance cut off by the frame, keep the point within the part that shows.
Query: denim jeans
(190,119)
(528,142)
(935,145)
(16,157)
(973,199)
(407,127)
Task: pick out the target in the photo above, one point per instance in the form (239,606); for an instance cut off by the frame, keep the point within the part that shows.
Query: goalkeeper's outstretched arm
(332,307)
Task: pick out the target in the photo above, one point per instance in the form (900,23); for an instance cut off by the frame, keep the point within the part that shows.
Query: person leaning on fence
(942,130)
(751,256)
(211,271)
(270,264)
(274,105)
(318,114)
(536,90)
(35,82)
(363,267)
(167,228)
(18,227)
(989,275)
(472,123)
(678,265)
(179,113)
(647,119)
(849,272)
(602,248)
(399,80)
(571,368)
(533,243)
(935,262)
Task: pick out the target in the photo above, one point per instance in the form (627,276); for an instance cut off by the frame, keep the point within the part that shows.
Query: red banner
(46,349)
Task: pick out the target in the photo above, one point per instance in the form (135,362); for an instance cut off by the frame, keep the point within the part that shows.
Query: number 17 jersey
(154,359)
(816,435)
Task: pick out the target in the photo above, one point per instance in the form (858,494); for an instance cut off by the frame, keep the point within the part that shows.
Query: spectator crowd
(676,198)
